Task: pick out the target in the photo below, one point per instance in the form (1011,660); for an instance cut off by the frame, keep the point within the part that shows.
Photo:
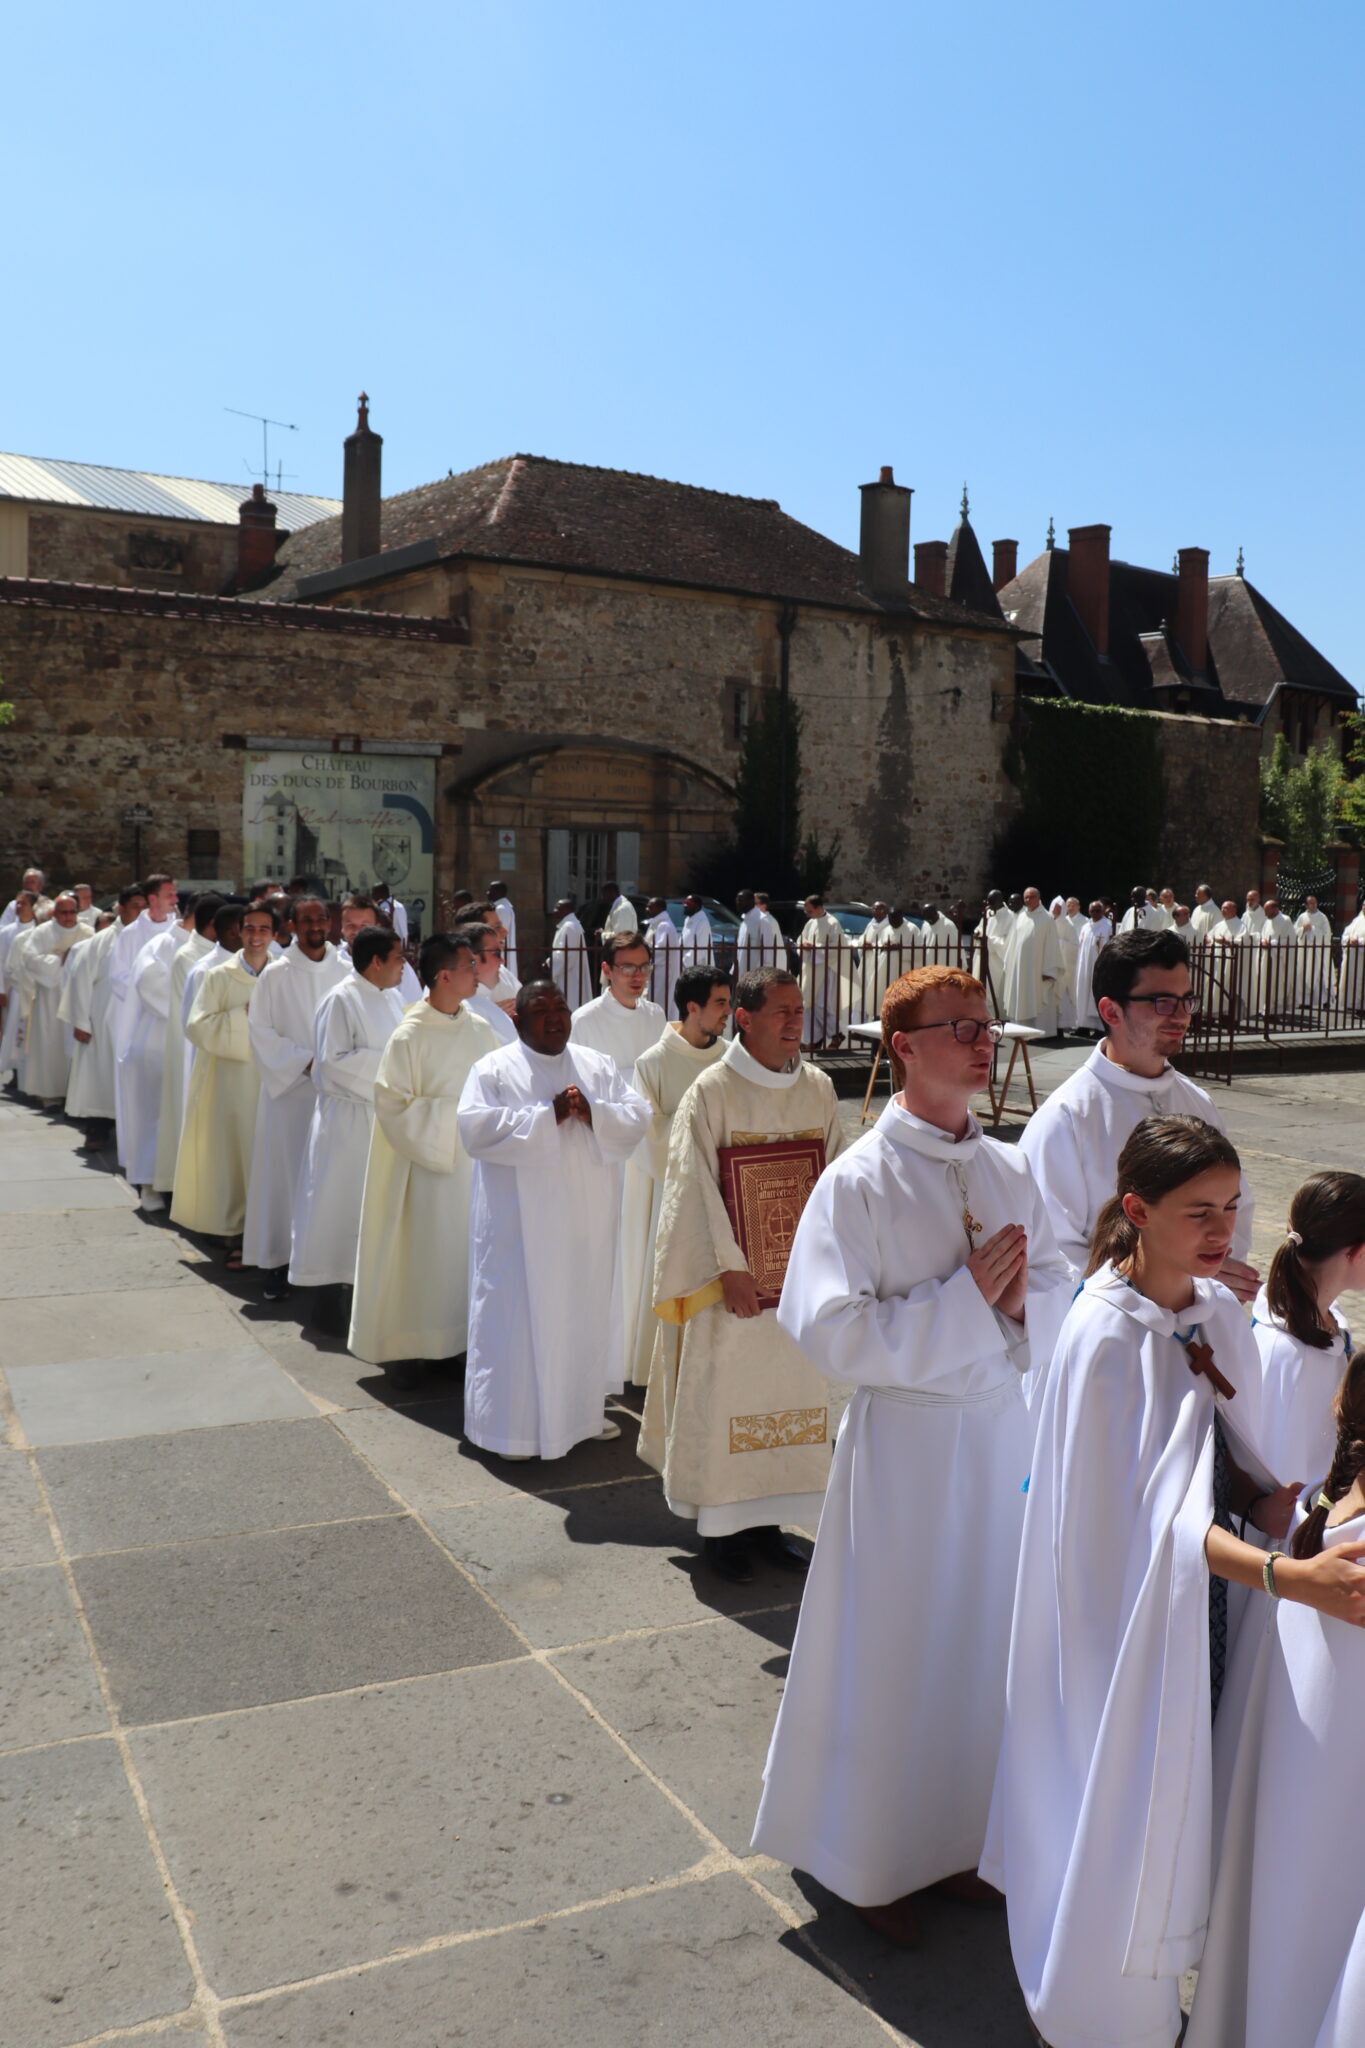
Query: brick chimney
(884,539)
(1004,563)
(931,567)
(1088,582)
(1192,607)
(360,495)
(257,539)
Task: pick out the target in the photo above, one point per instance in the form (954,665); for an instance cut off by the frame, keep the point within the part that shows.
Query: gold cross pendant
(971,1226)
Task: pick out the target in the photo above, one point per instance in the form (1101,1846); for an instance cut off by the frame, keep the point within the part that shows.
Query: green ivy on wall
(1092,800)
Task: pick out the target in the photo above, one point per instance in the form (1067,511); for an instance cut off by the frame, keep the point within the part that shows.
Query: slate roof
(968,579)
(570,516)
(1251,645)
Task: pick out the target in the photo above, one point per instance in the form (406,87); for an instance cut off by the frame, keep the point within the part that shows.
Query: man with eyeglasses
(1142,991)
(923,1270)
(623,1023)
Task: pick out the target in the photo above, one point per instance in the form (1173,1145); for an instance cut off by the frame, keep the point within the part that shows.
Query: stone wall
(72,543)
(559,700)
(1213,794)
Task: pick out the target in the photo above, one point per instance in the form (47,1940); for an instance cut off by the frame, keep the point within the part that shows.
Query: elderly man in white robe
(281,1023)
(570,968)
(1313,932)
(1280,965)
(146,1006)
(19,989)
(736,1418)
(33,880)
(1068,939)
(1033,967)
(548,1124)
(353,1025)
(197,946)
(87,1006)
(665,950)
(663,1075)
(1144,994)
(1205,913)
(411,1301)
(48,1066)
(698,939)
(759,941)
(1095,935)
(218,1130)
(623,1024)
(826,974)
(924,1271)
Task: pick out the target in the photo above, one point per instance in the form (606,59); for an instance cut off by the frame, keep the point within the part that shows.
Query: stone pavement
(317,1727)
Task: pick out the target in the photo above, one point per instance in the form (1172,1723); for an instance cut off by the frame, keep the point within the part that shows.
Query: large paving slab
(207,1482)
(48,1688)
(114,1250)
(308,1837)
(126,1324)
(52,1157)
(25,1536)
(696,1966)
(55,1195)
(572,1567)
(147,1395)
(199,1628)
(697,1705)
(90,1942)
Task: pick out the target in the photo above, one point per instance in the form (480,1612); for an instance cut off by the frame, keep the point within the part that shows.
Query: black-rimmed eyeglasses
(966,1030)
(1170,1006)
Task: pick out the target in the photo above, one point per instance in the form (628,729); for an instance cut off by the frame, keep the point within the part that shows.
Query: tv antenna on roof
(265,426)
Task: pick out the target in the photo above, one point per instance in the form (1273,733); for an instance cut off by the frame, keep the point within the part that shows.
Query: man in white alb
(281,1023)
(1313,933)
(992,948)
(698,942)
(48,1066)
(487,949)
(32,879)
(1205,913)
(218,1133)
(1143,994)
(353,1025)
(623,1024)
(412,1274)
(507,918)
(924,1270)
(663,1075)
(146,1009)
(826,969)
(547,1124)
(85,1006)
(759,941)
(198,944)
(665,948)
(569,965)
(159,914)
(736,1419)
(621,916)
(361,913)
(1033,966)
(1142,914)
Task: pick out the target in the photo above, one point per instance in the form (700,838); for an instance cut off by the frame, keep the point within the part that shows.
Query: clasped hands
(572,1102)
(1000,1270)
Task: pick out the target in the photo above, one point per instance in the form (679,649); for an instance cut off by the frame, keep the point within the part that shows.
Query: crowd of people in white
(1035,1656)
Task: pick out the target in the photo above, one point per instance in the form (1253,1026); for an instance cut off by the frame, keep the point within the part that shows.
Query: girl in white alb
(1101,1830)
(1284,1965)
(1304,1343)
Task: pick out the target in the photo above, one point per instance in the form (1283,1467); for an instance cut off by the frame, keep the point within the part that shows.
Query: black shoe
(728,1557)
(403,1374)
(776,1548)
(276,1283)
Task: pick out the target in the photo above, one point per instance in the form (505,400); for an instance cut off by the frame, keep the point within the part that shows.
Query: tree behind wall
(1092,799)
(1304,803)
(767,850)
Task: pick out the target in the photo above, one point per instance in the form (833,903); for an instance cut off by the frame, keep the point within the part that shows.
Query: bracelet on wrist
(1268,1574)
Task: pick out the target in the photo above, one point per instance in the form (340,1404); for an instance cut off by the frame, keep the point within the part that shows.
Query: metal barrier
(1274,994)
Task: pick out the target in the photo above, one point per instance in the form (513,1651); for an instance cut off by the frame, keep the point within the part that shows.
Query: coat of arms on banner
(391,853)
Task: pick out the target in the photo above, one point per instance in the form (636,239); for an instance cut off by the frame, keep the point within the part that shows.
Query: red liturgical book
(765,1188)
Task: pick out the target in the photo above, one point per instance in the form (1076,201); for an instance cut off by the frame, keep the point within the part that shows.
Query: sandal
(233,1261)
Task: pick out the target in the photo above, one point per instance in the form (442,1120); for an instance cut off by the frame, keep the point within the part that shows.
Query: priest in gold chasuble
(736,1418)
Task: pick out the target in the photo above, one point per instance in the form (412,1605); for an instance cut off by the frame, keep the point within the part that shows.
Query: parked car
(724,923)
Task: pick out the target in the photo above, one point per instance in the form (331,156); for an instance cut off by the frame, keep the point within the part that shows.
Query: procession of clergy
(1026,1601)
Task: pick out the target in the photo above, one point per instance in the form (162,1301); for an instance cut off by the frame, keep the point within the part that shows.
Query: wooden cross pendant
(1201,1360)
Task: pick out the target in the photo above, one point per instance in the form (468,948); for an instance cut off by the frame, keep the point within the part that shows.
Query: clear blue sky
(1104,262)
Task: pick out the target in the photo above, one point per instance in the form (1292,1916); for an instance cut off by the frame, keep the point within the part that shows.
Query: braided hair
(1348,1461)
(1326,1216)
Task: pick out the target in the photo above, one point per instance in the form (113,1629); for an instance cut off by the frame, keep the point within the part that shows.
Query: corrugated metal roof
(36,480)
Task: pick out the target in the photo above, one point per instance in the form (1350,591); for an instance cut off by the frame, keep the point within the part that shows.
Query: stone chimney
(257,539)
(1192,607)
(884,539)
(1087,581)
(1005,562)
(931,567)
(360,494)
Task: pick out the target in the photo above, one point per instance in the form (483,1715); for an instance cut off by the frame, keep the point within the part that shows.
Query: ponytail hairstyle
(1326,1216)
(1161,1155)
(1348,1460)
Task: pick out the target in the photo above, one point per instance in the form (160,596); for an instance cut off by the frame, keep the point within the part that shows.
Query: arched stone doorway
(563,819)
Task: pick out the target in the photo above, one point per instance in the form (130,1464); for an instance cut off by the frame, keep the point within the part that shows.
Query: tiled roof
(33,479)
(41,594)
(567,515)
(1251,646)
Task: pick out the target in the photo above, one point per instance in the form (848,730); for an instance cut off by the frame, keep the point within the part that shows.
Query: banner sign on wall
(346,821)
